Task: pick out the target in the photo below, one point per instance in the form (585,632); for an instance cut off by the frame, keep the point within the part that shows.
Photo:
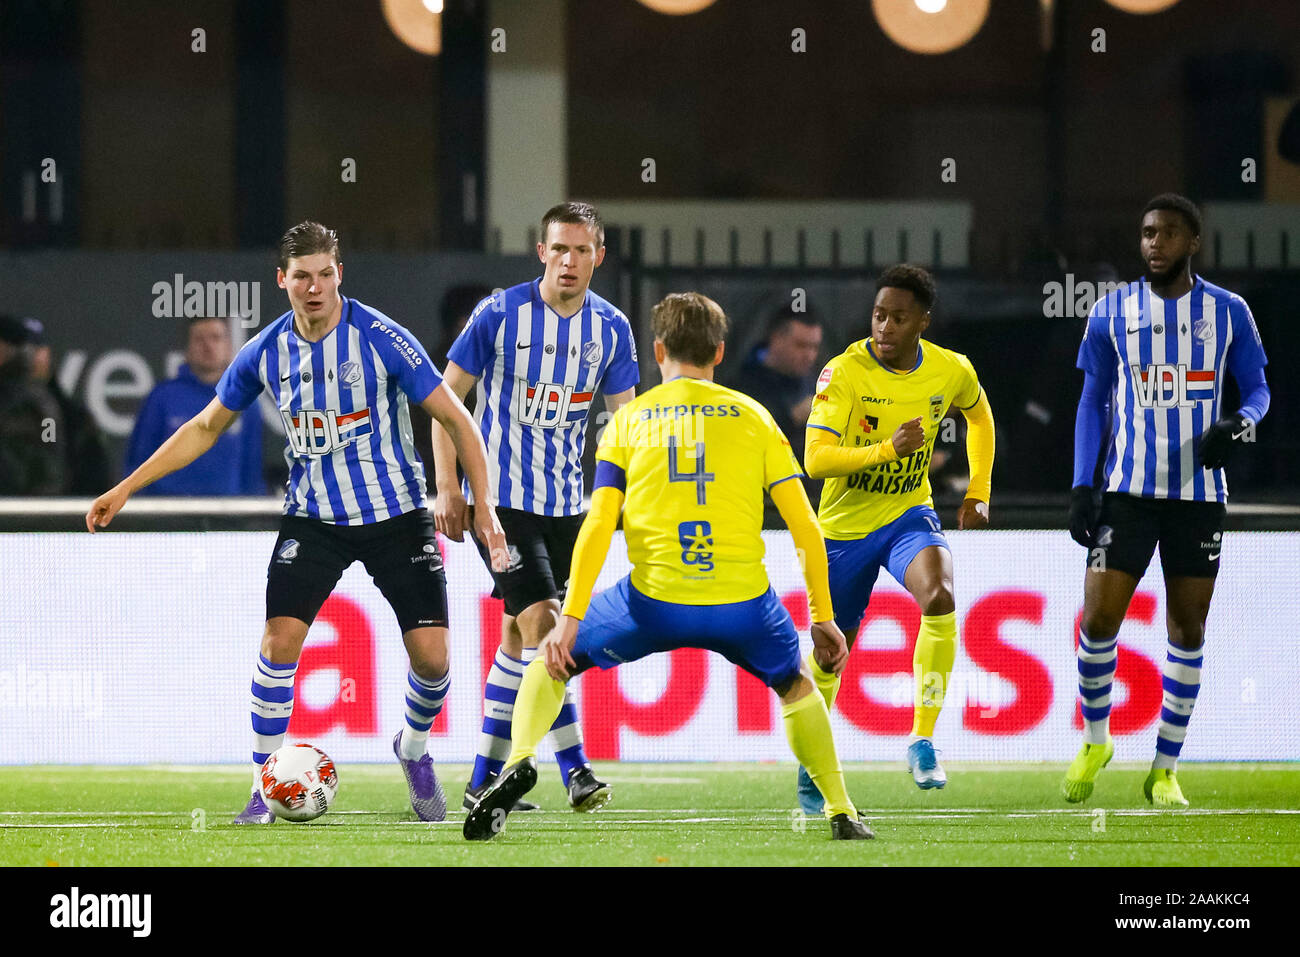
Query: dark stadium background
(174,161)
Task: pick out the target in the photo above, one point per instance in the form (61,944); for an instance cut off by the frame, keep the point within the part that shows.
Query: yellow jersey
(863,401)
(697,458)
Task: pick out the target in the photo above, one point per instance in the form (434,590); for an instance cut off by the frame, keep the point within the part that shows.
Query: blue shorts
(855,564)
(623,625)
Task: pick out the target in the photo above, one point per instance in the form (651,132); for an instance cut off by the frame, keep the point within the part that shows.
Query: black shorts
(541,550)
(1190,535)
(401,554)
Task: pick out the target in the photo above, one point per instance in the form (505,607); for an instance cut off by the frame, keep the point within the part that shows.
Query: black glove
(1220,439)
(1083,515)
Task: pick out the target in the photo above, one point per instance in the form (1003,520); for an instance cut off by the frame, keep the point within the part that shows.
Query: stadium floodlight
(676,8)
(416,23)
(930,26)
(1142,6)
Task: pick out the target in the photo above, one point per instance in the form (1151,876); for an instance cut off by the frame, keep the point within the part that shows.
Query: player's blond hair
(691,326)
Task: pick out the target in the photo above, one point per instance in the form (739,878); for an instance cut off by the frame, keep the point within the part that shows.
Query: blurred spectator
(236,468)
(32,460)
(457,304)
(85,453)
(779,372)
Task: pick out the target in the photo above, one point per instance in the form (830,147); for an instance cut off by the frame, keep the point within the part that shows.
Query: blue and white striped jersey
(344,405)
(538,372)
(1164,362)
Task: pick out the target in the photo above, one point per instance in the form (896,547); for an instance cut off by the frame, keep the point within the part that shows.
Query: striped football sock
(423,702)
(1097,657)
(1182,680)
(272,704)
(499,694)
(566,733)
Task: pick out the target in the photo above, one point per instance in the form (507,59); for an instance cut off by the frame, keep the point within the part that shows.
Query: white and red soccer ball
(298,782)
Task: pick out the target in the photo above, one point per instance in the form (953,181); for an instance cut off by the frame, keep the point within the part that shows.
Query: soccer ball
(298,782)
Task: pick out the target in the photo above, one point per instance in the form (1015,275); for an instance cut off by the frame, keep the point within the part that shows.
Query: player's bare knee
(937,599)
(512,641)
(1100,623)
(426,648)
(536,621)
(282,640)
(1187,635)
(796,688)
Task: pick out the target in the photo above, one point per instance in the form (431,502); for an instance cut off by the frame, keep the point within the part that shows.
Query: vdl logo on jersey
(322,431)
(1164,386)
(547,405)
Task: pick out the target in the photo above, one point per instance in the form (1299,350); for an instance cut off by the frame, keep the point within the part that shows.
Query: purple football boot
(427,799)
(256,812)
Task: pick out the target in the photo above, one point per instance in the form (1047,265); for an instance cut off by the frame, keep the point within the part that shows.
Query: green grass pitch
(662,815)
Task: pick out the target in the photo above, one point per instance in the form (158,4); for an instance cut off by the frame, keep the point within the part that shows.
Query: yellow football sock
(808,729)
(827,683)
(936,650)
(536,708)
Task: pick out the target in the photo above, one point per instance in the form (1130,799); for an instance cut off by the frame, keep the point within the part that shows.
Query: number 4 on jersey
(698,475)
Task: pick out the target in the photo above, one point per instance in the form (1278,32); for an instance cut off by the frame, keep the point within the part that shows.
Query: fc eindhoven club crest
(936,408)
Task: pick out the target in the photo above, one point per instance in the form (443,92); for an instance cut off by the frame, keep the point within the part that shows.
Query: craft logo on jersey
(322,431)
(696,539)
(547,405)
(1164,386)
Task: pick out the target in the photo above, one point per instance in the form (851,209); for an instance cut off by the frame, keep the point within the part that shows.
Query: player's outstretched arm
(184,446)
(980,442)
(446,409)
(824,457)
(450,512)
(791,501)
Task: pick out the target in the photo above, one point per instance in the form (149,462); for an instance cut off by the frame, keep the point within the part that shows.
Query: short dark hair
(578,214)
(780,318)
(307,239)
(690,325)
(1179,204)
(916,280)
(193,321)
